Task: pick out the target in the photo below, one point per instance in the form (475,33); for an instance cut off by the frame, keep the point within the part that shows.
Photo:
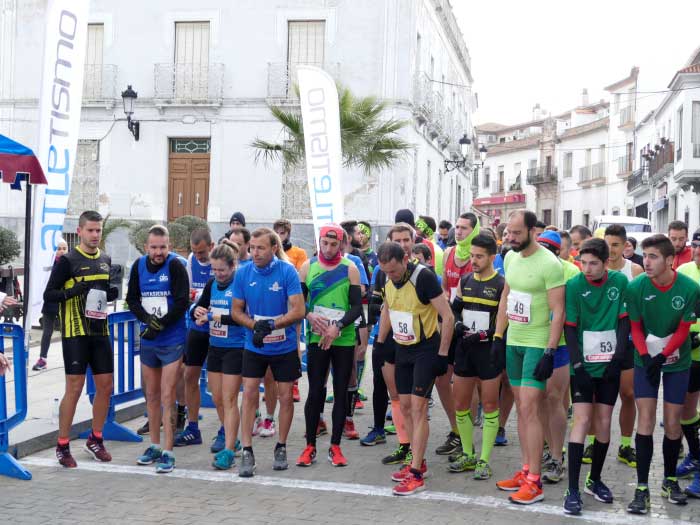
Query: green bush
(9,246)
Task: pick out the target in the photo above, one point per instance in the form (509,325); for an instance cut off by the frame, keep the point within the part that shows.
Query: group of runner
(525,315)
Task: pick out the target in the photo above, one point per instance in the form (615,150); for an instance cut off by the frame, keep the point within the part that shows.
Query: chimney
(584,98)
(537,112)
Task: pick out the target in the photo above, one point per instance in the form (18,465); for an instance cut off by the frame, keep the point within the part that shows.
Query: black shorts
(285,367)
(452,352)
(414,367)
(694,381)
(602,391)
(227,361)
(196,348)
(475,361)
(93,350)
(628,362)
(387,352)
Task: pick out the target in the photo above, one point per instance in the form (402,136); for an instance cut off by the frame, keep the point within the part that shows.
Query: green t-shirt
(329,295)
(570,271)
(596,309)
(691,270)
(529,279)
(661,311)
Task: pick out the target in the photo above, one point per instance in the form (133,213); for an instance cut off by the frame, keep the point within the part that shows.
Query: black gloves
(261,329)
(694,339)
(614,368)
(374,310)
(545,366)
(79,288)
(153,327)
(498,353)
(440,365)
(468,337)
(581,382)
(652,366)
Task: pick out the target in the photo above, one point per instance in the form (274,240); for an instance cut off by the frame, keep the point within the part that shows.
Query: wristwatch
(338,323)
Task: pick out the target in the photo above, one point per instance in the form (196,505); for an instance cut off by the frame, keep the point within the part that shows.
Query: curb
(48,440)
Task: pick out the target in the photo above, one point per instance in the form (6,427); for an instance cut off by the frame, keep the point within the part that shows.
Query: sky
(544,51)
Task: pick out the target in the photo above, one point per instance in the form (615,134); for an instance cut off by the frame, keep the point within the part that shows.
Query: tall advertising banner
(59,122)
(321,119)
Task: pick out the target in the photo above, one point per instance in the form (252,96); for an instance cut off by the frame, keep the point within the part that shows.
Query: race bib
(157,306)
(96,304)
(519,307)
(475,321)
(402,325)
(655,346)
(216,329)
(332,314)
(599,347)
(277,336)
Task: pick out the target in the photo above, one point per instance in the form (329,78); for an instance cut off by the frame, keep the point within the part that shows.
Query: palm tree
(368,141)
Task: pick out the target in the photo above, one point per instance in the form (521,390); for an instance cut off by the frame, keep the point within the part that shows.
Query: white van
(631,224)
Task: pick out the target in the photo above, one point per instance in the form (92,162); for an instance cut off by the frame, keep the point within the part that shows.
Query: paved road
(359,493)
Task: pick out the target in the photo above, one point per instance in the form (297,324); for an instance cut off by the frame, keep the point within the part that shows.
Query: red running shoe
(335,456)
(65,458)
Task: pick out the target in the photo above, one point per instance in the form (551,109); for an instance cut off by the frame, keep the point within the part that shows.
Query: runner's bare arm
(447,325)
(501,317)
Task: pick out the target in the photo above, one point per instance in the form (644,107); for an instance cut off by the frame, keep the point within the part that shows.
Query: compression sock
(489,433)
(600,450)
(466,430)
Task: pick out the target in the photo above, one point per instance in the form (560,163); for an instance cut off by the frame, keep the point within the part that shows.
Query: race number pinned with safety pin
(402,326)
(96,304)
(519,307)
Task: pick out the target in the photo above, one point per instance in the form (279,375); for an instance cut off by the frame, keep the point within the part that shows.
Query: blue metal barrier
(9,466)
(206,400)
(123,327)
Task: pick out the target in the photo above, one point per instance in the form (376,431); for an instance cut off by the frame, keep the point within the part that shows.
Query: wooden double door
(188,185)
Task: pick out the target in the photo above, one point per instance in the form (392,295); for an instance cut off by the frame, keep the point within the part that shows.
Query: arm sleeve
(60,273)
(623,336)
(638,337)
(180,284)
(133,294)
(427,286)
(678,338)
(571,335)
(355,306)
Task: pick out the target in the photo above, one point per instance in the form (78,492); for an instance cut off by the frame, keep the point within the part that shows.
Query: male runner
(158,295)
(678,234)
(297,256)
(475,307)
(443,233)
(532,305)
(79,283)
(661,306)
(366,240)
(268,301)
(597,332)
(331,285)
(197,345)
(413,301)
(690,419)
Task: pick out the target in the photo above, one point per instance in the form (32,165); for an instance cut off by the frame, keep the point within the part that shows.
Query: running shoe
(362,395)
(335,456)
(641,502)
(572,502)
(322,428)
(329,398)
(482,471)
(388,416)
(693,490)
(96,448)
(409,485)
(268,428)
(219,442)
(462,464)
(189,436)
(64,457)
(553,471)
(479,419)
(588,455)
(224,460)
(671,490)
(528,493)
(237,446)
(295,392)
(501,440)
(359,405)
(247,466)
(397,456)
(374,437)
(598,490)
(150,456)
(454,457)
(180,420)
(307,457)
(452,444)
(390,429)
(40,364)
(144,429)
(257,424)
(688,466)
(628,456)
(512,484)
(279,459)
(166,463)
(406,471)
(349,431)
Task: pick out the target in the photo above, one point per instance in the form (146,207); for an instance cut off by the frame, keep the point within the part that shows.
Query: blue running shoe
(375,437)
(166,463)
(501,439)
(150,456)
(688,466)
(388,415)
(693,490)
(224,460)
(219,442)
(572,502)
(237,447)
(189,436)
(598,490)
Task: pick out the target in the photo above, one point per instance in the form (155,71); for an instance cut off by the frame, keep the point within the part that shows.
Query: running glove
(545,366)
(652,367)
(498,353)
(261,329)
(79,288)
(694,339)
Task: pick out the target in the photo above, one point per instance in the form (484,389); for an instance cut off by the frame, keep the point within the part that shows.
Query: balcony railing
(282,78)
(189,83)
(662,163)
(99,83)
(541,175)
(423,98)
(592,174)
(637,180)
(626,116)
(624,166)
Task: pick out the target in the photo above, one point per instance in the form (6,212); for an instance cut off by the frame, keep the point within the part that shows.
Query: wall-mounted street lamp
(128,97)
(464,143)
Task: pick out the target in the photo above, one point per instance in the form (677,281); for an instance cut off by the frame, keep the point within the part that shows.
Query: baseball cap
(332,231)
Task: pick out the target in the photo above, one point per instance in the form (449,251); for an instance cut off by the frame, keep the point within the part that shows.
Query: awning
(660,204)
(513,198)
